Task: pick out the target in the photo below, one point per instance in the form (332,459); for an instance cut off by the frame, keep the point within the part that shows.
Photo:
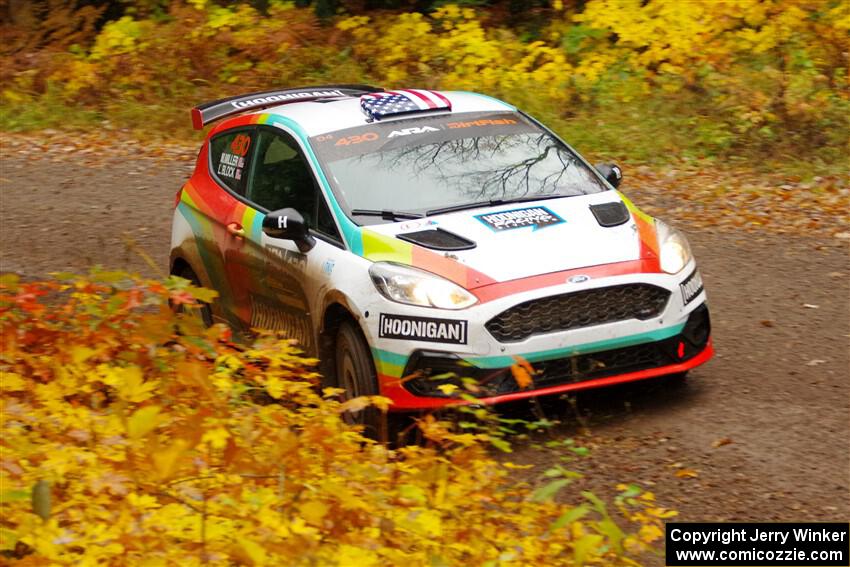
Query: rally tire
(204,313)
(355,373)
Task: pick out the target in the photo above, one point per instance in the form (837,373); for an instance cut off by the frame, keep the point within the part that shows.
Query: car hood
(522,239)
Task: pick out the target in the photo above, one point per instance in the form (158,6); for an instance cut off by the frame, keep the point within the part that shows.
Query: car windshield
(384,171)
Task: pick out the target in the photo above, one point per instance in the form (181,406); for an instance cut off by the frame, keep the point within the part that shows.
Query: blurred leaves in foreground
(131,435)
(754,77)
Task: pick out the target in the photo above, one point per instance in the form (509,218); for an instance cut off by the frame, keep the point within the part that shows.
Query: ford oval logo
(579,279)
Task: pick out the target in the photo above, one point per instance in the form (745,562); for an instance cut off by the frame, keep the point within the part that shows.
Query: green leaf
(14,496)
(598,504)
(549,491)
(570,516)
(41,499)
(9,280)
(501,444)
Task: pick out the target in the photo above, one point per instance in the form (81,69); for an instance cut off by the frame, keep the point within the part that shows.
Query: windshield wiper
(386,215)
(490,203)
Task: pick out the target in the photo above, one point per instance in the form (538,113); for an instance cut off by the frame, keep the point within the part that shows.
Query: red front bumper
(403,400)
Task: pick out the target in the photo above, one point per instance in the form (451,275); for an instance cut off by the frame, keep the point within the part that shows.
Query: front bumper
(674,340)
(426,371)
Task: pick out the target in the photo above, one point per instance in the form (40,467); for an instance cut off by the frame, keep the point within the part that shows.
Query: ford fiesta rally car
(413,238)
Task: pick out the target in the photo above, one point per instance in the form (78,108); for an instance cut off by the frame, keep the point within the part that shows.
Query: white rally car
(412,238)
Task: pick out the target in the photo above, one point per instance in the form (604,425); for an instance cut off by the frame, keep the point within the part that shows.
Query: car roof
(339,113)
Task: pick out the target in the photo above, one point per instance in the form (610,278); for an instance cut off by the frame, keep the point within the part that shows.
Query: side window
(229,158)
(282,178)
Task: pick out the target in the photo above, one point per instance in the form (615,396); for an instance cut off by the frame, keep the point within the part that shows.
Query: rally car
(414,240)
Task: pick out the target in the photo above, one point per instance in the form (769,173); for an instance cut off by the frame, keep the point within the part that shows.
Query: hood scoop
(437,239)
(610,214)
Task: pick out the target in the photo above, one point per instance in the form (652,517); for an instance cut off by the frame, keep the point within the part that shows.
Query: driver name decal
(538,217)
(422,329)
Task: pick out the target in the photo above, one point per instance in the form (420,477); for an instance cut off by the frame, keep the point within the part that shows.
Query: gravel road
(762,432)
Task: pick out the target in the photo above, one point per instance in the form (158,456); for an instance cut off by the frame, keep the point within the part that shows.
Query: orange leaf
(522,372)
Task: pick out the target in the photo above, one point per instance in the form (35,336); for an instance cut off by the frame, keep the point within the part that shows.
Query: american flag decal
(379,105)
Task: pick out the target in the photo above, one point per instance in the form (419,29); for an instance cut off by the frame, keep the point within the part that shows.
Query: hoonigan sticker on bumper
(422,329)
(691,287)
(538,217)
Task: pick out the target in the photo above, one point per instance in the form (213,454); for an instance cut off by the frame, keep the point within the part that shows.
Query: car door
(229,162)
(283,284)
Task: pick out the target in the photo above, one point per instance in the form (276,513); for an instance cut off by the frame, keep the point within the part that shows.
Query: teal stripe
(490,98)
(350,231)
(586,348)
(256,229)
(390,357)
(396,359)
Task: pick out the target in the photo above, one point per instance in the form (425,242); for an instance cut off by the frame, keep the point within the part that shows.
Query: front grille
(578,309)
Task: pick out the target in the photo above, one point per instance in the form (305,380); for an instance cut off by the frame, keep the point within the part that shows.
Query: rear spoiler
(208,112)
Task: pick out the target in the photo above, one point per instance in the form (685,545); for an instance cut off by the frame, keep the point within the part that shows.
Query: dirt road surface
(762,432)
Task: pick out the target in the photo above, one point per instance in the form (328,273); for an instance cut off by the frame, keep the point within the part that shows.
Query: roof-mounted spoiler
(208,112)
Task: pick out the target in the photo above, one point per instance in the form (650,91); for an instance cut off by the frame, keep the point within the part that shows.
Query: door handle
(235,229)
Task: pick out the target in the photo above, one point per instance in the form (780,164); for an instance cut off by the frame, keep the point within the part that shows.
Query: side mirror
(611,172)
(288,224)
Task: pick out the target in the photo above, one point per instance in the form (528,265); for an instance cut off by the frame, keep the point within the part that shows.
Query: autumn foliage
(131,435)
(734,76)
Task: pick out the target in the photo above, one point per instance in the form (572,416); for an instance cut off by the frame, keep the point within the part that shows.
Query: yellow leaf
(447,389)
(80,354)
(354,404)
(687,473)
(143,421)
(649,533)
(165,462)
(381,402)
(313,511)
(129,383)
(11,382)
(254,551)
(217,438)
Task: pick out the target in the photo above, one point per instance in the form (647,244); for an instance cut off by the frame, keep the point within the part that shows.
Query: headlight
(675,250)
(404,284)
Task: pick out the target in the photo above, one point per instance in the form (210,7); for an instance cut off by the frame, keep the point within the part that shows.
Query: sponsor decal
(240,145)
(422,329)
(359,139)
(484,122)
(328,267)
(414,130)
(282,98)
(289,257)
(538,217)
(230,166)
(581,278)
(691,287)
(410,225)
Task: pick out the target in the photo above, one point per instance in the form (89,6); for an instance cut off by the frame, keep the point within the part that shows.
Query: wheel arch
(337,310)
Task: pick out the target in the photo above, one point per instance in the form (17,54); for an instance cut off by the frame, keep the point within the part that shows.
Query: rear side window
(229,156)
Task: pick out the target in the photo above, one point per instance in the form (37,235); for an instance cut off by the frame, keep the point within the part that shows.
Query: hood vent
(610,214)
(437,239)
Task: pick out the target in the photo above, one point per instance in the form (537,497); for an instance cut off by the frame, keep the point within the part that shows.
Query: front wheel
(355,373)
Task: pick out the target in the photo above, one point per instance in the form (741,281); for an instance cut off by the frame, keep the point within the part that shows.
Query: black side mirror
(611,172)
(288,224)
